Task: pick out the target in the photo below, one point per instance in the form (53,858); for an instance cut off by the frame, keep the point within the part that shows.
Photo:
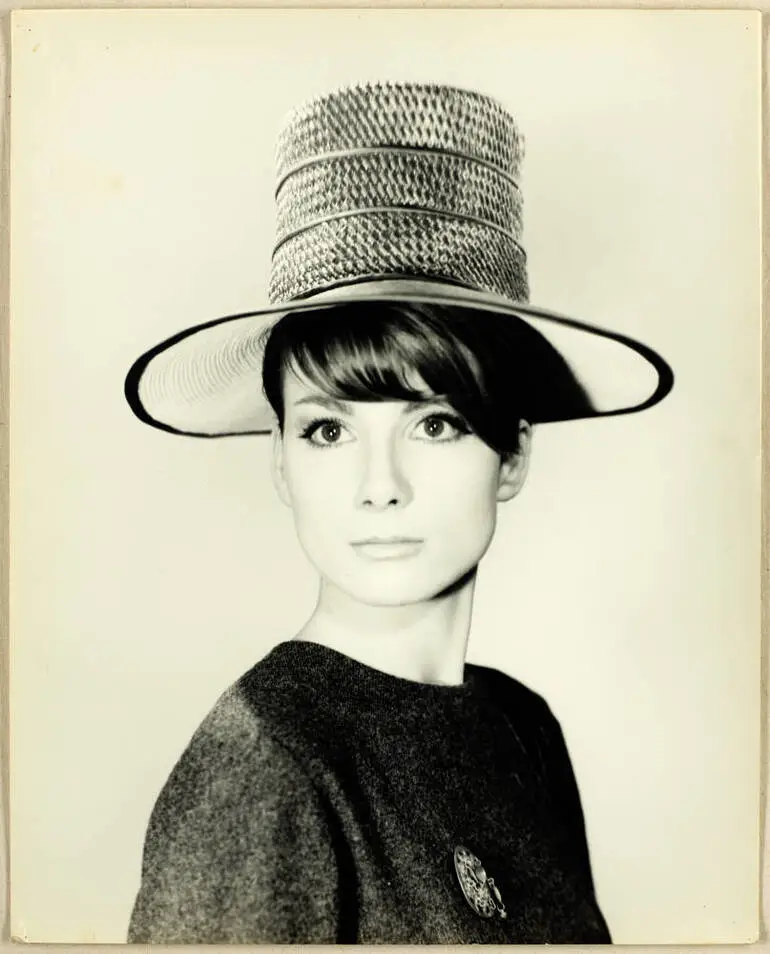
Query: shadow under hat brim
(205,381)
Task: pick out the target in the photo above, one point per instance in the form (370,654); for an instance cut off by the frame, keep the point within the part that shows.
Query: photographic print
(385,477)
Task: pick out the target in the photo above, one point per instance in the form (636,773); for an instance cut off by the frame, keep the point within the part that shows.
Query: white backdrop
(149,571)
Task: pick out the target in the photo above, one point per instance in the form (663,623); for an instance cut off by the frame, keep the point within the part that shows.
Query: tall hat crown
(401,193)
(399,180)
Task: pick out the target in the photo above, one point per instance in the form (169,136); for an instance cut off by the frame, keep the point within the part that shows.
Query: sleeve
(239,849)
(565,796)
(563,790)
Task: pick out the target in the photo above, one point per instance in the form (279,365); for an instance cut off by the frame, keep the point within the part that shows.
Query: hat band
(376,179)
(411,243)
(393,151)
(414,115)
(405,210)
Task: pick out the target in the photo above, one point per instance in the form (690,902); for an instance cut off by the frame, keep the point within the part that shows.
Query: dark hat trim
(662,367)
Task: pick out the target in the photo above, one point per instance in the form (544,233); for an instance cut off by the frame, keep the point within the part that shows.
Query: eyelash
(454,420)
(310,429)
(307,433)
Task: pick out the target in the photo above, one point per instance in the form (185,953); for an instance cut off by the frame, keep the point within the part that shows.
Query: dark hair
(377,351)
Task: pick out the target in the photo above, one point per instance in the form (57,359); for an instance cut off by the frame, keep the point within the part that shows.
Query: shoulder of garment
(541,735)
(524,709)
(240,847)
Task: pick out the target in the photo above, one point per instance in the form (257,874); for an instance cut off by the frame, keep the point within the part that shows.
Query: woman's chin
(389,592)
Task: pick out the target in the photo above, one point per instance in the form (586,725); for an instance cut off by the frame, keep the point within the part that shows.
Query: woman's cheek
(310,484)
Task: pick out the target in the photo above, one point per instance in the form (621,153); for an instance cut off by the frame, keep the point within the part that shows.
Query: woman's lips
(387,548)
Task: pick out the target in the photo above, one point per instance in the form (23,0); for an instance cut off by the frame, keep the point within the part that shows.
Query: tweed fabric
(322,801)
(398,179)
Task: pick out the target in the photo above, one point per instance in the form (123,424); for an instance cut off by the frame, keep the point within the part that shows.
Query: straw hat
(390,192)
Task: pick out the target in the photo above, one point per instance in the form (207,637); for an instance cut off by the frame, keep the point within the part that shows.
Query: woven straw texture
(391,244)
(447,184)
(399,179)
(398,183)
(401,114)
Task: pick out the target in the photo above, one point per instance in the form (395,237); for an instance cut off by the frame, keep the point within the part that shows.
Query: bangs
(381,353)
(494,370)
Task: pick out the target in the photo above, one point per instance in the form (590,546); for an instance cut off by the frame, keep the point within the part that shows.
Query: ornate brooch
(480,891)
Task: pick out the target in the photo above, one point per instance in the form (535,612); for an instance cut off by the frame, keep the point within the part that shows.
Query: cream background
(148,571)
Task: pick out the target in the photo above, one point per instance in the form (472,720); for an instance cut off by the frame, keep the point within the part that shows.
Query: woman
(362,782)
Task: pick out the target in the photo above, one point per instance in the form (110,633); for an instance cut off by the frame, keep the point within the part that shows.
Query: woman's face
(393,501)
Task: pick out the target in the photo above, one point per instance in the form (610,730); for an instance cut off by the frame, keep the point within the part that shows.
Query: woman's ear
(514,467)
(277,466)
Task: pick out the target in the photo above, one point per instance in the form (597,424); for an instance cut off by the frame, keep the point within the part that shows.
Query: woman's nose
(384,482)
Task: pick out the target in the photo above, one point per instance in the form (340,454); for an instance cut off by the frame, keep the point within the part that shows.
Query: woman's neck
(424,642)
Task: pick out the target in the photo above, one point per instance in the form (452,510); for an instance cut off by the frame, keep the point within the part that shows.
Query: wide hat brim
(205,381)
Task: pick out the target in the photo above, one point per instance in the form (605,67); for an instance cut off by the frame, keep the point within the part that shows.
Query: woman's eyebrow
(431,400)
(324,400)
(342,407)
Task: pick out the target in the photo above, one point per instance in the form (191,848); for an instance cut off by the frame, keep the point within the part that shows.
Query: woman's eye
(325,433)
(441,427)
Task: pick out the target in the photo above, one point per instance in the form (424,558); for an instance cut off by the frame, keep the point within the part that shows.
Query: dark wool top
(322,801)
